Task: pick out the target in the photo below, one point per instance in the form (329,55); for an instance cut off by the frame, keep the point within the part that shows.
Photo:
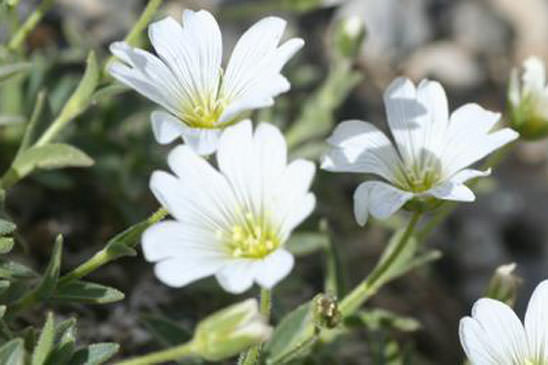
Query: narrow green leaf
(45,288)
(108,92)
(14,69)
(165,331)
(39,120)
(65,340)
(50,156)
(377,319)
(45,342)
(9,120)
(2,311)
(95,354)
(14,270)
(81,97)
(6,227)
(306,243)
(295,331)
(4,285)
(6,244)
(12,352)
(86,292)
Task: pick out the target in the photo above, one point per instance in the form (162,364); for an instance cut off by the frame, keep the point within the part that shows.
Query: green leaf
(2,311)
(50,156)
(95,354)
(4,285)
(13,270)
(65,341)
(6,244)
(12,352)
(45,342)
(14,69)
(82,96)
(306,243)
(6,227)
(45,288)
(165,331)
(9,120)
(377,319)
(86,292)
(108,92)
(295,332)
(39,120)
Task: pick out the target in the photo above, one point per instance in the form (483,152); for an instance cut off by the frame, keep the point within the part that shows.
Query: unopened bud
(326,311)
(230,331)
(504,284)
(528,100)
(349,35)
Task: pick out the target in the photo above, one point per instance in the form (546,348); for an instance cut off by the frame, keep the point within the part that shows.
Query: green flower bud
(349,35)
(231,331)
(504,284)
(326,311)
(528,100)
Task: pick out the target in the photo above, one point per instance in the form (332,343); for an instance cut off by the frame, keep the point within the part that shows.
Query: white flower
(230,223)
(187,80)
(528,101)
(494,335)
(432,150)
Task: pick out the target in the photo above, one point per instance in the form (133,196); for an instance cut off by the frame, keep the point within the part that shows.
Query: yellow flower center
(204,114)
(424,175)
(253,238)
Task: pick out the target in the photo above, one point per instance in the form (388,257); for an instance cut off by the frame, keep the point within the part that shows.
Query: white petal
(273,268)
(359,146)
(432,132)
(169,239)
(200,197)
(192,51)
(472,117)
(203,141)
(379,199)
(166,127)
(494,334)
(253,78)
(468,174)
(534,75)
(237,276)
(536,323)
(451,190)
(147,74)
(404,113)
(292,201)
(180,271)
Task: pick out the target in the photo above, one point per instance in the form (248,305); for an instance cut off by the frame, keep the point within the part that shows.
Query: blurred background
(468,45)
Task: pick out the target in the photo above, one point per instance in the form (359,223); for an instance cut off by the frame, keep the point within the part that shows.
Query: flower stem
(174,353)
(366,288)
(30,23)
(253,354)
(105,256)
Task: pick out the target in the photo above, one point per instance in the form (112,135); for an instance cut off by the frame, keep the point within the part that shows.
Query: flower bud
(349,35)
(528,100)
(326,311)
(504,284)
(231,331)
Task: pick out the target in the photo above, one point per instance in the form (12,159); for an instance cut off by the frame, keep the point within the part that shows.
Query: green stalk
(32,21)
(353,301)
(174,353)
(105,256)
(253,354)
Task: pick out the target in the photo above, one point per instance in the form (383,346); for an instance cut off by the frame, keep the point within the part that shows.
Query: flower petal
(404,113)
(237,276)
(193,52)
(359,146)
(467,174)
(180,271)
(273,268)
(379,199)
(166,127)
(451,190)
(147,74)
(253,78)
(536,323)
(534,75)
(432,132)
(202,140)
(494,334)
